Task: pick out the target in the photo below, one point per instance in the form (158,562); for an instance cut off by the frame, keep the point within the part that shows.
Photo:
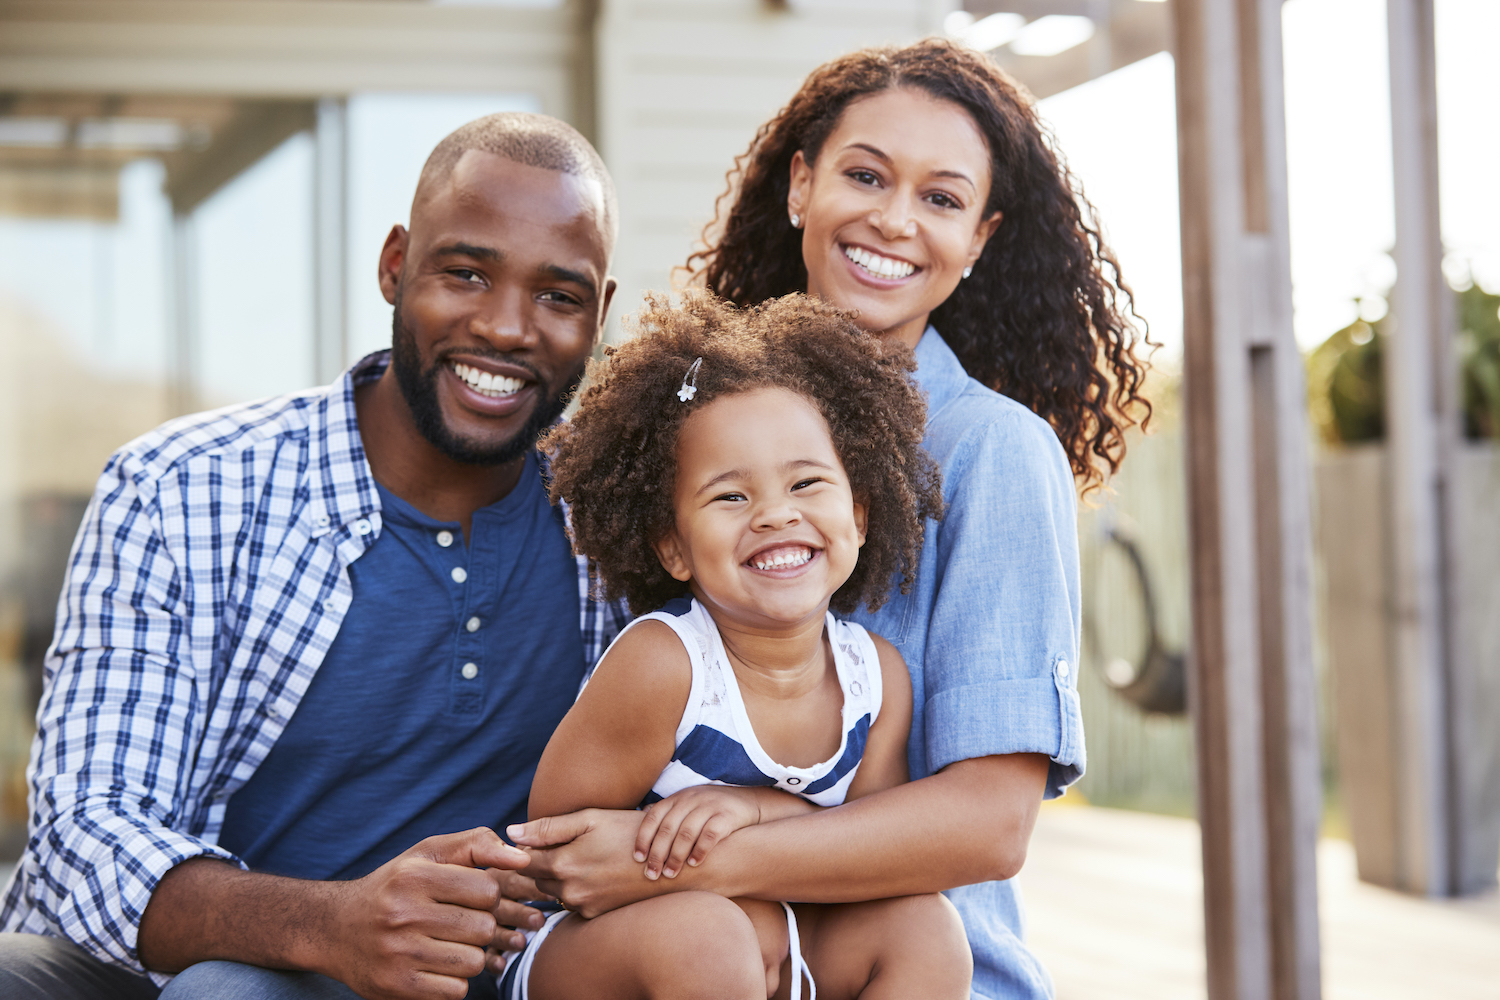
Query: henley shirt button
(470,671)
(460,574)
(472,624)
(445,538)
(794,781)
(362,527)
(1062,669)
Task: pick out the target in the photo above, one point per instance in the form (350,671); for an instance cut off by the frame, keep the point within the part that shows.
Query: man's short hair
(530,139)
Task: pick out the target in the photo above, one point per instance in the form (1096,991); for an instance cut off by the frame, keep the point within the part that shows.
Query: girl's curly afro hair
(614,463)
(1044,318)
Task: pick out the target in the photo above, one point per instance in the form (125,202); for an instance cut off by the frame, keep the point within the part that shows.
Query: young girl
(743,472)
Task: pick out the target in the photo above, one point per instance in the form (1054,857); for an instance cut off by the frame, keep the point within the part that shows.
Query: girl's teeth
(486,384)
(784,560)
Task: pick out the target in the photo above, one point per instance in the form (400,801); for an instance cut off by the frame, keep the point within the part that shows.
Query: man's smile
(486,384)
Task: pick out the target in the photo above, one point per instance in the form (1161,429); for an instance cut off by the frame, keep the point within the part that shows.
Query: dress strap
(799,966)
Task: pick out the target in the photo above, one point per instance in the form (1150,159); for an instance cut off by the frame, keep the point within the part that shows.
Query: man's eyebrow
(880,154)
(461,249)
(568,274)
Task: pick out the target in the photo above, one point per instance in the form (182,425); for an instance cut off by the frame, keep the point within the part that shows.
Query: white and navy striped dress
(715,744)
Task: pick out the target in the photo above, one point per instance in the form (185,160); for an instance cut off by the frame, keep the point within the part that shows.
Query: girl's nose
(777,515)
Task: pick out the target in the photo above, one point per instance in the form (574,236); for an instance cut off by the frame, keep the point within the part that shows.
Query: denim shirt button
(1062,669)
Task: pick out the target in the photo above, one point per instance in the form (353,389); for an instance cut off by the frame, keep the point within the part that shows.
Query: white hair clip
(690,382)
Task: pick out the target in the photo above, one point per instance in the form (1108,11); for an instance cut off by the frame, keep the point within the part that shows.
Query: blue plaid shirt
(206,584)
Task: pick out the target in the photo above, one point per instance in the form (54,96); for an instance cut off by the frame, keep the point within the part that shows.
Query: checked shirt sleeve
(116,729)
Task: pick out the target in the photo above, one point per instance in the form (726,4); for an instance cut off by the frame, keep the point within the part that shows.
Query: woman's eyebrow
(880,154)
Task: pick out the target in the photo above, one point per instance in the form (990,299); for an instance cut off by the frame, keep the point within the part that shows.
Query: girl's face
(766,525)
(893,211)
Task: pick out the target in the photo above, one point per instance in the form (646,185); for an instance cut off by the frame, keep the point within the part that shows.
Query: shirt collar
(939,372)
(341,484)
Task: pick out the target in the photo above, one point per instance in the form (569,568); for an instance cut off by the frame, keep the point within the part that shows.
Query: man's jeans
(33,967)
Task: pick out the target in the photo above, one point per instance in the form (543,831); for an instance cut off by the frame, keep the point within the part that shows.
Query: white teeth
(487,384)
(883,267)
(785,559)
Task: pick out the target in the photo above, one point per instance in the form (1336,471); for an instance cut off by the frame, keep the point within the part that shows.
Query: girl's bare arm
(884,763)
(620,734)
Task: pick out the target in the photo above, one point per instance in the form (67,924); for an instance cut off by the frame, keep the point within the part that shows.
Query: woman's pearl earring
(968,271)
(796,221)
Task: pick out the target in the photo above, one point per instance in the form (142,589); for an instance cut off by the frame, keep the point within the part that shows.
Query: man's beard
(419,388)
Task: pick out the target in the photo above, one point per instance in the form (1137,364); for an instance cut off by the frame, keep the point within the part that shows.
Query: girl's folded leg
(682,946)
(886,949)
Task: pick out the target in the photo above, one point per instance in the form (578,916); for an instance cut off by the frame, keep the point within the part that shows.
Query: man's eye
(562,298)
(466,274)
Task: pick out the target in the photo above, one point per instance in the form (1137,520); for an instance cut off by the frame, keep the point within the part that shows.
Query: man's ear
(669,551)
(801,180)
(861,521)
(610,285)
(392,260)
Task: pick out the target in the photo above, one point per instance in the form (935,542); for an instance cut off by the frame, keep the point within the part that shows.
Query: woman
(917,187)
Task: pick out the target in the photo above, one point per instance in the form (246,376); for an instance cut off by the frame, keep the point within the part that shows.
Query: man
(305,640)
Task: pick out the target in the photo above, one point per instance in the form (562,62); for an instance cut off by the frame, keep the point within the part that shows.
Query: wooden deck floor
(1114,902)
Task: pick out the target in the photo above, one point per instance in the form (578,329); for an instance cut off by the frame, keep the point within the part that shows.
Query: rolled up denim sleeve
(1002,641)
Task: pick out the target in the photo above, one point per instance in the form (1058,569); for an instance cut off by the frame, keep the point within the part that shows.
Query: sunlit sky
(104,286)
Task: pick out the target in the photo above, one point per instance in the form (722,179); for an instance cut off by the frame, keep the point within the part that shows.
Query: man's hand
(417,926)
(512,915)
(684,826)
(586,859)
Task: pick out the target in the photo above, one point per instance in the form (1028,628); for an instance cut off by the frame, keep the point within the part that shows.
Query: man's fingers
(514,885)
(480,847)
(549,831)
(459,886)
(519,915)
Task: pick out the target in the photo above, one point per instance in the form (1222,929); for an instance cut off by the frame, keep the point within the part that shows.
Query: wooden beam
(257,128)
(1422,435)
(1252,689)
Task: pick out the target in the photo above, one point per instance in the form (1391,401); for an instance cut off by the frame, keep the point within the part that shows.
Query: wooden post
(1422,434)
(330,239)
(1251,684)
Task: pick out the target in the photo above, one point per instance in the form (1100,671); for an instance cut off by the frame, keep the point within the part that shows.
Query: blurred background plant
(1344,373)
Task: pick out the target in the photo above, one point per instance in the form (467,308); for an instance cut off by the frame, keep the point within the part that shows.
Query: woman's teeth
(783,559)
(881,267)
(486,384)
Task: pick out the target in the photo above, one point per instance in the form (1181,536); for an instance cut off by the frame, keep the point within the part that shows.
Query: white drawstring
(799,967)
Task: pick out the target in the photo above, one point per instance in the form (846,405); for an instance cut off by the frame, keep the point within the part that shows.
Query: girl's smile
(766,525)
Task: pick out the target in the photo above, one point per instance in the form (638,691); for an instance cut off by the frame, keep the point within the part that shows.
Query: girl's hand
(685,826)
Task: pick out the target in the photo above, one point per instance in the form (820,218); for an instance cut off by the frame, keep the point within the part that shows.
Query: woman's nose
(894,219)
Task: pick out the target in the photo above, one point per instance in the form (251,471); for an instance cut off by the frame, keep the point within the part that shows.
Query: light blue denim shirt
(990,629)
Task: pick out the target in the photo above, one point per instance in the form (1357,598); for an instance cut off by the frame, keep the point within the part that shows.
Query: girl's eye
(730,496)
(806,482)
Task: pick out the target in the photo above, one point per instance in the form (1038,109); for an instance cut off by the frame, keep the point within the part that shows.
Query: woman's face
(893,211)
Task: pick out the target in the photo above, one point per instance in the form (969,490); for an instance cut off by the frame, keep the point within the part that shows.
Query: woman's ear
(801,181)
(982,234)
(669,552)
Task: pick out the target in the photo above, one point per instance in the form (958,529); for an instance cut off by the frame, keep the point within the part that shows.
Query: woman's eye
(864,177)
(943,200)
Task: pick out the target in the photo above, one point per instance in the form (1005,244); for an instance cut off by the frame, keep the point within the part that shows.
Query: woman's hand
(586,859)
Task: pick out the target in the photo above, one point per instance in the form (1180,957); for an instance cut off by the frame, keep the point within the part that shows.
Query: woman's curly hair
(1044,318)
(615,462)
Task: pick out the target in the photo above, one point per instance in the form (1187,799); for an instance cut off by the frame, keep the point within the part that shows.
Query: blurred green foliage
(1344,374)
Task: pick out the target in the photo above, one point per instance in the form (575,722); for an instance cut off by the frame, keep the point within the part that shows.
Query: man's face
(500,291)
